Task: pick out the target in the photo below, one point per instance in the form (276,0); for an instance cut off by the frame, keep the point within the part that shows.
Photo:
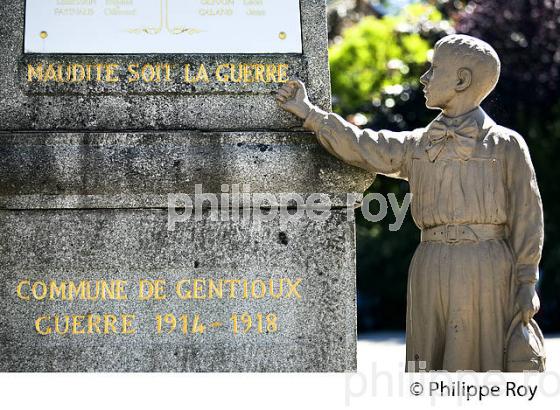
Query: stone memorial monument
(109,111)
(471,284)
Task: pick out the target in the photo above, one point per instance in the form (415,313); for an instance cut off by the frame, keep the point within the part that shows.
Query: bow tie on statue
(464,136)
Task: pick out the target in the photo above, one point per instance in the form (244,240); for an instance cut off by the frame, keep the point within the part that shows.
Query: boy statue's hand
(528,301)
(292,97)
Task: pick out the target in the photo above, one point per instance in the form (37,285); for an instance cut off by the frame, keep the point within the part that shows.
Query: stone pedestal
(86,170)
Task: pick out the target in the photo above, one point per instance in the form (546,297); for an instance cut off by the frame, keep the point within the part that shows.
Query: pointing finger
(286,88)
(284,93)
(295,84)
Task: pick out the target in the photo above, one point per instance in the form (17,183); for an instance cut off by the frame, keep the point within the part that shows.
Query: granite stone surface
(150,106)
(86,170)
(315,332)
(51,170)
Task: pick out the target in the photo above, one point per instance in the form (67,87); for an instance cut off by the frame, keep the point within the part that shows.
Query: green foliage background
(378,53)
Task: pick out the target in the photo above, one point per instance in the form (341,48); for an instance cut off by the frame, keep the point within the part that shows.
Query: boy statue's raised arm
(382,152)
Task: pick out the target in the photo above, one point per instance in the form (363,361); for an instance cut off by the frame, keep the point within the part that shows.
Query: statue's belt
(467,232)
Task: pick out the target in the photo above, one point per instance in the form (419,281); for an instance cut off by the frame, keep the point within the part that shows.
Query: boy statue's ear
(464,79)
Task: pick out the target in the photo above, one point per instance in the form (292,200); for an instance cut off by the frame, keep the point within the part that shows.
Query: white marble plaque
(162,26)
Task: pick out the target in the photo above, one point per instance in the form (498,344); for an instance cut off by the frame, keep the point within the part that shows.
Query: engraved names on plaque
(162,26)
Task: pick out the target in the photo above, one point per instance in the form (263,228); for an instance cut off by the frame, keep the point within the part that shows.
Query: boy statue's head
(464,71)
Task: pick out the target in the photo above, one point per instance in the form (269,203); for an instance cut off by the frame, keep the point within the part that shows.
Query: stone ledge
(138,170)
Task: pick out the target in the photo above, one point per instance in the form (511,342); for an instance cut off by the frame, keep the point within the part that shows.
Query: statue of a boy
(475,198)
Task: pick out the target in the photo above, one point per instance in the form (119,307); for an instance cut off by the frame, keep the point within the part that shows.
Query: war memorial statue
(471,285)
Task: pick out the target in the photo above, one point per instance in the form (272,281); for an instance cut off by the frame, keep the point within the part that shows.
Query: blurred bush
(380,55)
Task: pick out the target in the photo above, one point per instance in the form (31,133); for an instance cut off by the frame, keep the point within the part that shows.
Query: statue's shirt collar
(458,136)
(482,119)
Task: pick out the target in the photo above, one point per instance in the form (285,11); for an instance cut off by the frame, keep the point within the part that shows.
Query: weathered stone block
(316,331)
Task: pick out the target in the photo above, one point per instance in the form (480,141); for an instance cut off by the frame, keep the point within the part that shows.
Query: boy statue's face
(440,81)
